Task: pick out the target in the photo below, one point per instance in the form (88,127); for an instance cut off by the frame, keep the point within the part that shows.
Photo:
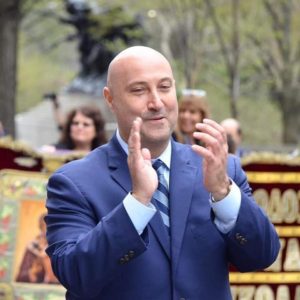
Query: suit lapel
(182,183)
(117,161)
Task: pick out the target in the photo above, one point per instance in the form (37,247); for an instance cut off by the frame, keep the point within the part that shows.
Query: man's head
(140,83)
(233,128)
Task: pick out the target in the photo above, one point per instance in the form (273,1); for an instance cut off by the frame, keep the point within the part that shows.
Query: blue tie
(161,195)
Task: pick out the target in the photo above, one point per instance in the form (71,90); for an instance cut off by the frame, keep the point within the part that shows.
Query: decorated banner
(25,272)
(16,155)
(25,269)
(275,180)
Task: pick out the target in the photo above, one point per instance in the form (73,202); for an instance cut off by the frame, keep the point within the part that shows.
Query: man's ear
(108,97)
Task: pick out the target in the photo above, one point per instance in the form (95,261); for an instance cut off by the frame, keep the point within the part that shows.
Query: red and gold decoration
(19,156)
(275,180)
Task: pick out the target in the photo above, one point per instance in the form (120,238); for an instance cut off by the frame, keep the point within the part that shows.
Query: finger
(210,142)
(204,152)
(146,155)
(214,124)
(213,129)
(134,140)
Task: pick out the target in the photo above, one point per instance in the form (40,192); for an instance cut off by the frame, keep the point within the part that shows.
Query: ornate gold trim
(50,161)
(265,277)
(25,174)
(270,158)
(273,177)
(9,143)
(288,231)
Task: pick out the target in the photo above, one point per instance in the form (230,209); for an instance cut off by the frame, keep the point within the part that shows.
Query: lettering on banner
(292,259)
(263,292)
(277,265)
(280,207)
(278,194)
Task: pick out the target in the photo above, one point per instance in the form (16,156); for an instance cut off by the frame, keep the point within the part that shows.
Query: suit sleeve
(253,242)
(85,254)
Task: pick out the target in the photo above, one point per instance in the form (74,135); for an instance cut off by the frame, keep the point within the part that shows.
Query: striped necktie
(161,195)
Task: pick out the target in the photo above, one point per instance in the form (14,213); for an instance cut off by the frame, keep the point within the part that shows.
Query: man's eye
(137,90)
(165,87)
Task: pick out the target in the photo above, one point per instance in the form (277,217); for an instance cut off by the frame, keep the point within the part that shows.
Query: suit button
(131,253)
(126,257)
(243,241)
(238,236)
(122,261)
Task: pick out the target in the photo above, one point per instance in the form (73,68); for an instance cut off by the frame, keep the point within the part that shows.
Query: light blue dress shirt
(226,211)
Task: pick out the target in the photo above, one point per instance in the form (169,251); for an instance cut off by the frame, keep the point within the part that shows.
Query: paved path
(37,126)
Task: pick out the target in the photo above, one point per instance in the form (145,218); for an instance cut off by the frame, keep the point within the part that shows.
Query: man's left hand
(214,153)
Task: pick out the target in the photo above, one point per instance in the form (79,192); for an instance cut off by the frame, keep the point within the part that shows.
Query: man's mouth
(157,118)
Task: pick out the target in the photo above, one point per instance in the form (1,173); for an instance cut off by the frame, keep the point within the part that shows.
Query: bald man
(146,218)
(233,129)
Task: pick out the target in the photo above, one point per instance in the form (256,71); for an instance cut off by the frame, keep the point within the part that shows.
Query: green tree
(277,42)
(9,24)
(11,13)
(230,48)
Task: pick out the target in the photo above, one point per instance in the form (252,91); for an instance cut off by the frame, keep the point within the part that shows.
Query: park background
(244,54)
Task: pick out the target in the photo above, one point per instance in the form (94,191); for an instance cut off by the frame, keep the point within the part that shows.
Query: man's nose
(155,101)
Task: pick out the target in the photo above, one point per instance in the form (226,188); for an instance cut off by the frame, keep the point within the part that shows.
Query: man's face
(234,131)
(144,88)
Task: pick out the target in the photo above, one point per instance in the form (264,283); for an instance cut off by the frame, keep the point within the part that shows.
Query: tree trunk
(290,107)
(234,70)
(234,90)
(9,20)
(230,53)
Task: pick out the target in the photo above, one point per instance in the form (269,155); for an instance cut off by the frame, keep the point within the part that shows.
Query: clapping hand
(214,153)
(143,176)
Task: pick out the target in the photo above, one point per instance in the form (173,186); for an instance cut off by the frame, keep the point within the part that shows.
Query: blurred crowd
(83,128)
(193,108)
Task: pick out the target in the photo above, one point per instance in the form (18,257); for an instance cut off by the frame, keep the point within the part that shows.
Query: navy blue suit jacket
(97,254)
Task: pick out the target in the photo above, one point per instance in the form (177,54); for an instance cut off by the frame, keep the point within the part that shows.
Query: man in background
(234,131)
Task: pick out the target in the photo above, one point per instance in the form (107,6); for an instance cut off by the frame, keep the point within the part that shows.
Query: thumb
(146,154)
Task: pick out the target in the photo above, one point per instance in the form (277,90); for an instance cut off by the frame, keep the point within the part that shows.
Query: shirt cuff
(227,210)
(139,214)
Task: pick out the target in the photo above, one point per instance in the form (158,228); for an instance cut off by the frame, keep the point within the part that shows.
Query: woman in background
(83,130)
(192,109)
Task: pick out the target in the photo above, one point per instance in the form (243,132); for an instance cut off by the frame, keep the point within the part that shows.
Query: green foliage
(39,73)
(260,118)
(45,63)
(113,27)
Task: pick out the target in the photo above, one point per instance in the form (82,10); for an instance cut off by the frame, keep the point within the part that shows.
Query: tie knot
(158,165)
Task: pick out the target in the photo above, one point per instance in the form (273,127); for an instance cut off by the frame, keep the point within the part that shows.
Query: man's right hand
(143,176)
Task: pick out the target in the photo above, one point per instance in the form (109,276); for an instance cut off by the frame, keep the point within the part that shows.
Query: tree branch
(268,62)
(280,28)
(224,50)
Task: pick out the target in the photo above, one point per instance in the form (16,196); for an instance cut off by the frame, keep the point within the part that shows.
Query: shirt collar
(165,156)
